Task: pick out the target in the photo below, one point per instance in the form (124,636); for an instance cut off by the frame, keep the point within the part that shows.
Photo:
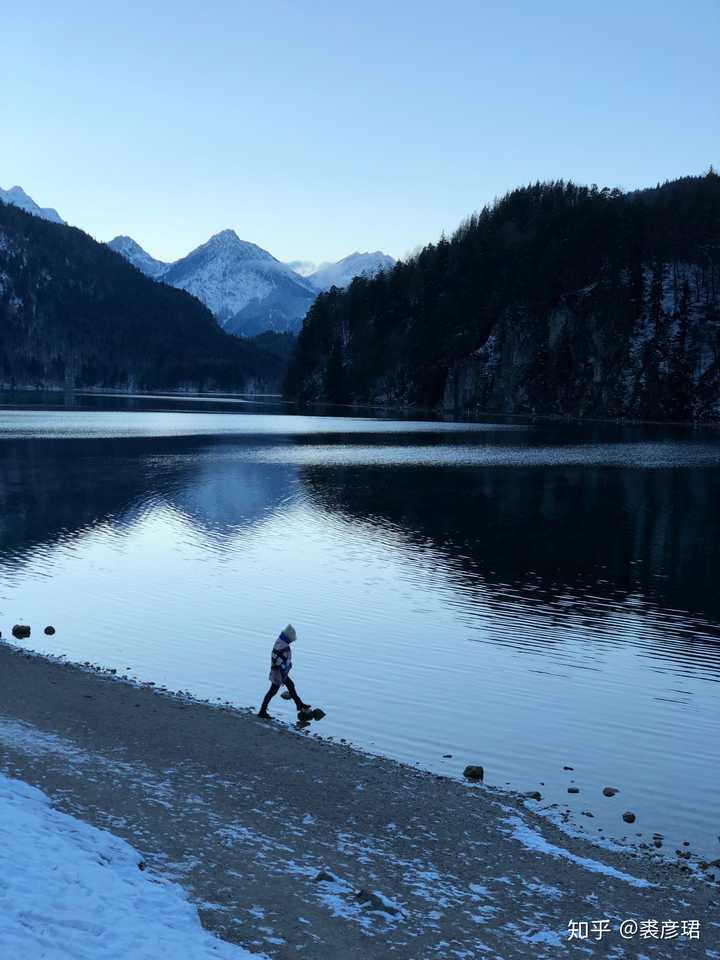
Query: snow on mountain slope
(342,273)
(231,276)
(247,289)
(138,257)
(18,197)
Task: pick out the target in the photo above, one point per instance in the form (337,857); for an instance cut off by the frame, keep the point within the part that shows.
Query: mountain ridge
(557,299)
(18,198)
(75,313)
(247,289)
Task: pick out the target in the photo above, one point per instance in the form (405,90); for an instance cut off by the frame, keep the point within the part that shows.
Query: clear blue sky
(316,129)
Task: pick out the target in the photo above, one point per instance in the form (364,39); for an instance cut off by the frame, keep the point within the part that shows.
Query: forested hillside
(74,312)
(557,299)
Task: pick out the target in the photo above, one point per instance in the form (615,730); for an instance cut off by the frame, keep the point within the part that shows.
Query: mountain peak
(18,193)
(233,276)
(227,245)
(18,198)
(225,236)
(132,251)
(123,242)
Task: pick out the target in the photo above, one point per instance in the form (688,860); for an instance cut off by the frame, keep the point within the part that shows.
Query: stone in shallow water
(474,772)
(49,631)
(21,631)
(629,817)
(610,791)
(573,789)
(286,695)
(317,713)
(306,714)
(533,795)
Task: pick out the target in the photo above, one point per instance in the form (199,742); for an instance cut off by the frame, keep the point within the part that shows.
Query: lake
(528,596)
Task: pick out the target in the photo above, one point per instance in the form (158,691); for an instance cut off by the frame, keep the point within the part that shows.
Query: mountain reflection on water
(547,589)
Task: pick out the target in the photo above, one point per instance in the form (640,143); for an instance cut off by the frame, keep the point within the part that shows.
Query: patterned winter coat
(280,660)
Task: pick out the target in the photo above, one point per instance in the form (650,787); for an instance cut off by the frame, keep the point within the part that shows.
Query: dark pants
(274,687)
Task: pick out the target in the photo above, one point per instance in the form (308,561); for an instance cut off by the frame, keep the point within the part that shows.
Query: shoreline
(408,411)
(245,815)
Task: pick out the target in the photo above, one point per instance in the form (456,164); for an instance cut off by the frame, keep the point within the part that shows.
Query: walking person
(280,666)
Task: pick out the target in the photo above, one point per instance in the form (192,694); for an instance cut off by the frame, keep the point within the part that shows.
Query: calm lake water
(521,595)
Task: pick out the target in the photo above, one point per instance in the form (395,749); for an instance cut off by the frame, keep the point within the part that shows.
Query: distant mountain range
(247,289)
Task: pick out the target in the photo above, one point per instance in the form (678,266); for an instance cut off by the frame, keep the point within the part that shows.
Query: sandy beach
(292,846)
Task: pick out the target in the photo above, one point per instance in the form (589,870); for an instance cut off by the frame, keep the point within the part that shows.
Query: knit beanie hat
(289,633)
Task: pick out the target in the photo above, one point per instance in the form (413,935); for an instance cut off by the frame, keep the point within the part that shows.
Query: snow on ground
(69,891)
(534,841)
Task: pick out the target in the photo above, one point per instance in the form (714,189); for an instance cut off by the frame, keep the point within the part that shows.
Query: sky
(316,129)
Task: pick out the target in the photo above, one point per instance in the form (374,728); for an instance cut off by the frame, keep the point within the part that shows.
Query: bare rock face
(474,772)
(21,631)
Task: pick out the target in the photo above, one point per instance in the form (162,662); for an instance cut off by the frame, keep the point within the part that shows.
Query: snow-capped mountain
(18,197)
(247,289)
(138,257)
(342,273)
